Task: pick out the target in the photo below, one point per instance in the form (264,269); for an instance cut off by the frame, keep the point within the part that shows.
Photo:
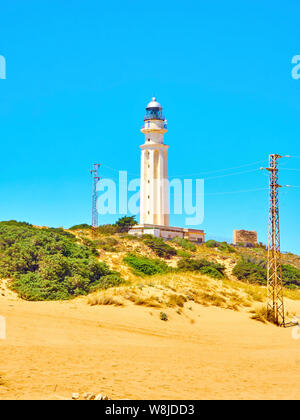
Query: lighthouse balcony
(155,125)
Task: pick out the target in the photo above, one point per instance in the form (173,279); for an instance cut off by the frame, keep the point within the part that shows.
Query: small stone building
(245,237)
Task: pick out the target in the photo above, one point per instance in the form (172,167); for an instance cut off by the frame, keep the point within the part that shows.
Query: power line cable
(237,192)
(199,173)
(221,170)
(233,174)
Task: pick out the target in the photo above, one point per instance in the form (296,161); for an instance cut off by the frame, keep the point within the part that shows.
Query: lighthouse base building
(168,232)
(154,189)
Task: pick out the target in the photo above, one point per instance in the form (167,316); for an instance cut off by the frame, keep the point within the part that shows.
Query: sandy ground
(56,348)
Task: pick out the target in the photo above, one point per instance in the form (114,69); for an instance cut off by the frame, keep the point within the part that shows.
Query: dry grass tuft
(104,299)
(261,314)
(239,300)
(256,293)
(2,381)
(292,294)
(150,302)
(176,300)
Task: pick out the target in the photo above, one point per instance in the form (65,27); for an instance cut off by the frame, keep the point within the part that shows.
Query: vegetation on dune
(291,276)
(261,314)
(163,316)
(211,244)
(221,246)
(108,244)
(106,230)
(185,244)
(176,300)
(104,299)
(53,264)
(125,223)
(253,270)
(82,226)
(121,225)
(145,265)
(150,266)
(203,266)
(159,246)
(183,254)
(48,264)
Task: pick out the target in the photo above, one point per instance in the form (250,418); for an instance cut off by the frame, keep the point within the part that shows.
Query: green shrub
(31,286)
(48,264)
(15,223)
(106,229)
(185,244)
(222,246)
(108,244)
(83,226)
(203,266)
(251,270)
(130,237)
(254,270)
(161,248)
(290,276)
(163,316)
(102,229)
(211,272)
(144,265)
(125,223)
(211,244)
(183,254)
(111,280)
(92,245)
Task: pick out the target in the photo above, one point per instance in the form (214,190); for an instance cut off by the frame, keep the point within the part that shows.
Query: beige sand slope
(56,348)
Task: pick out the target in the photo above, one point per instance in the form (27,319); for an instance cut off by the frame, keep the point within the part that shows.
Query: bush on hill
(159,246)
(185,244)
(251,270)
(15,223)
(144,265)
(48,264)
(222,246)
(125,223)
(108,244)
(290,276)
(107,229)
(255,271)
(211,244)
(203,266)
(102,229)
(82,226)
(183,254)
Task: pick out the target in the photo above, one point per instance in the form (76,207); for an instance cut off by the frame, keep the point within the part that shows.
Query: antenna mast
(94,173)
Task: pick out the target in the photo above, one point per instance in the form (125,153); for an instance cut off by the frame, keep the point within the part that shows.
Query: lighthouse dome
(154,111)
(154,104)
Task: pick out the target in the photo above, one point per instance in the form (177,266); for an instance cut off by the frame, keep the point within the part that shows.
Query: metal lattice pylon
(96,178)
(275,306)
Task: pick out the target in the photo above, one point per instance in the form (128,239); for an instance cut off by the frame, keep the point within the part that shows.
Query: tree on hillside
(125,223)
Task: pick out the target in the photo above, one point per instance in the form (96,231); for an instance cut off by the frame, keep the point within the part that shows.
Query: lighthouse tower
(154,203)
(154,189)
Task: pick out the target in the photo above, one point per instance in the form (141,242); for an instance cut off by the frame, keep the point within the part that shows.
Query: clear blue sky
(79,74)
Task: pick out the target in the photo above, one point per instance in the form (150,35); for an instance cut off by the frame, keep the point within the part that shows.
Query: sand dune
(56,348)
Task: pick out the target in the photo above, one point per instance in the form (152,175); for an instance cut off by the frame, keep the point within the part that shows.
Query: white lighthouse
(154,203)
(154,186)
